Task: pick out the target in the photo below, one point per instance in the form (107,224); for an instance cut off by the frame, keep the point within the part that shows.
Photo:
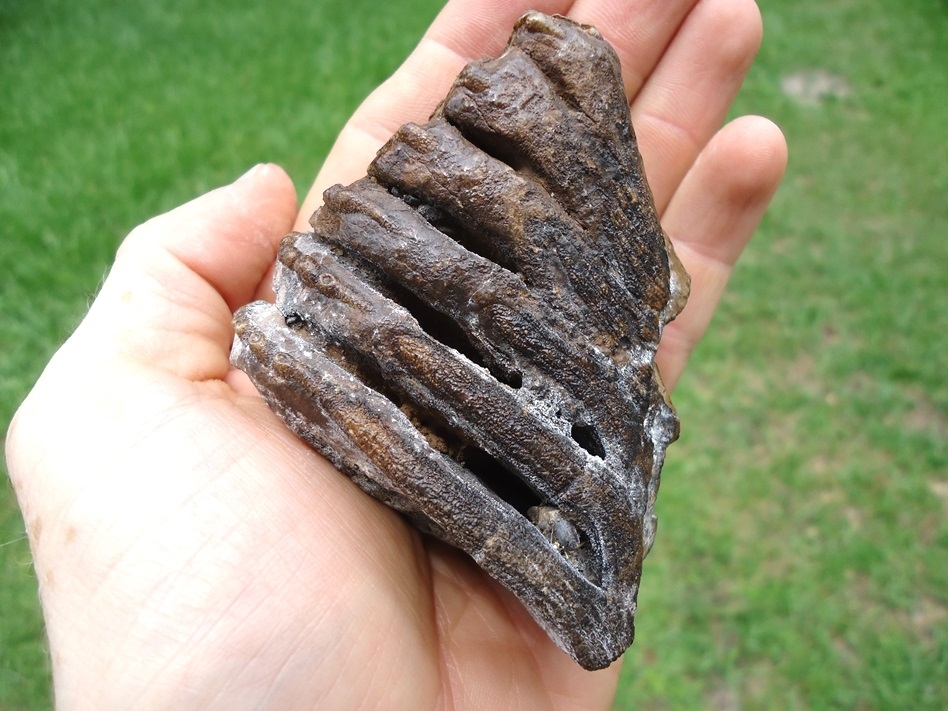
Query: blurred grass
(802,560)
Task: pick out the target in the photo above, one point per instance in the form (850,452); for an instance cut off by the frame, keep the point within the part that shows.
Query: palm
(304,551)
(447,625)
(193,553)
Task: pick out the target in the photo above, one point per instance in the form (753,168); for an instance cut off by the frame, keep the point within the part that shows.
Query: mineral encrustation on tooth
(469,332)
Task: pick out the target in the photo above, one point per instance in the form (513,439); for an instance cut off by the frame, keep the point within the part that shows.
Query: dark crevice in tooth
(588,438)
(499,479)
(436,324)
(346,356)
(445,222)
(293,320)
(492,473)
(496,476)
(497,147)
(446,331)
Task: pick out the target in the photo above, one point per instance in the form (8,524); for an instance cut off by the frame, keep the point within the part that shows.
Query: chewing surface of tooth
(469,332)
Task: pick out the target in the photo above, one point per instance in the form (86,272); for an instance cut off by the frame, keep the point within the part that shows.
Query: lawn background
(802,560)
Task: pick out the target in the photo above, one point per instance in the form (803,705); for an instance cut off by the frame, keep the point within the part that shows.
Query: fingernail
(250,173)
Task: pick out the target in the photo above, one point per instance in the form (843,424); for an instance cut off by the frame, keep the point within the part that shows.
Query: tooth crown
(469,332)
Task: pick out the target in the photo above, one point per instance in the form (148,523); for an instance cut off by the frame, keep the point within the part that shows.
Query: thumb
(168,300)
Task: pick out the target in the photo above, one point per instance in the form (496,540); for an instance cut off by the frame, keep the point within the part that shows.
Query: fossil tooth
(469,332)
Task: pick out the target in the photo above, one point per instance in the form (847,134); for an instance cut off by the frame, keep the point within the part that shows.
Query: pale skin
(191,553)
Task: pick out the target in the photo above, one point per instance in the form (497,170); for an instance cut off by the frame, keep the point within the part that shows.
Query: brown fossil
(469,332)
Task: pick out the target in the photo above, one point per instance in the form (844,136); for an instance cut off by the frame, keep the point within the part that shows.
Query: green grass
(802,558)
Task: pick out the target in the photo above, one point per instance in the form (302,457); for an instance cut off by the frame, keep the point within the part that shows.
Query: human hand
(192,553)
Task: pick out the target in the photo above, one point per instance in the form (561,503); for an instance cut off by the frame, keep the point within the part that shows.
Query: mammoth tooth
(469,332)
